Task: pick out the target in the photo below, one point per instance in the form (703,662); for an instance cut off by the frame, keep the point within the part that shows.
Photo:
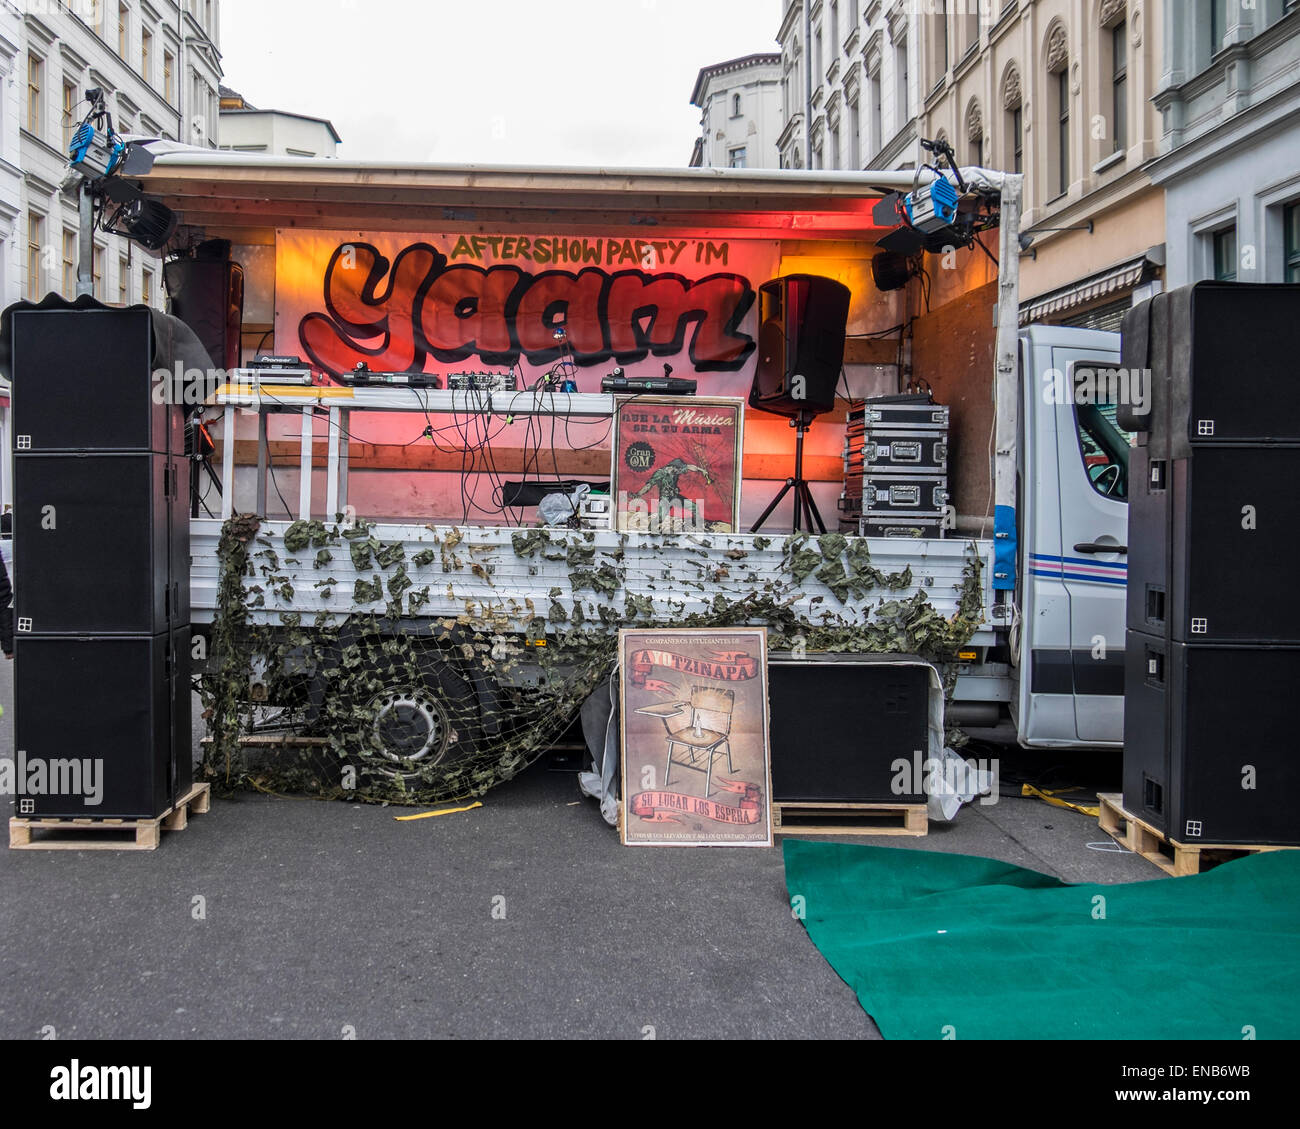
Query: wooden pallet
(1173,857)
(65,834)
(850,819)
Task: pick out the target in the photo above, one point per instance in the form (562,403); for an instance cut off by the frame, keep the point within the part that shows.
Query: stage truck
(402,595)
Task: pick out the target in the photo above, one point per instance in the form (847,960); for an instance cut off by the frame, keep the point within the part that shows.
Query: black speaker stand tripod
(803,499)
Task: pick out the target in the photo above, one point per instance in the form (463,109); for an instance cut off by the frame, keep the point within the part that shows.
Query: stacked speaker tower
(101,566)
(1212,655)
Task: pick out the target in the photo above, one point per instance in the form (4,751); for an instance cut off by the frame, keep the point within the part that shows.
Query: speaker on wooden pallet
(84,381)
(102,543)
(207,294)
(1210,537)
(1221,369)
(839,725)
(802,320)
(102,725)
(1207,752)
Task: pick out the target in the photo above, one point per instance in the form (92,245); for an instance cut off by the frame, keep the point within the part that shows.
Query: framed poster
(677,463)
(694,737)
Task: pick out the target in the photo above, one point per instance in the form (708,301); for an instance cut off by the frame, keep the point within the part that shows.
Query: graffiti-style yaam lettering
(394,315)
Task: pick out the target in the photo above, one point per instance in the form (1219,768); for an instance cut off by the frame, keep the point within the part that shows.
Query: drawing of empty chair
(703,731)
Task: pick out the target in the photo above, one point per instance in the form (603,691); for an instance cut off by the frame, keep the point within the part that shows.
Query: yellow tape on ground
(441,811)
(1050,797)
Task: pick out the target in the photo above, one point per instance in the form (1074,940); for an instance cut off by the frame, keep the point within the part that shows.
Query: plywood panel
(954,348)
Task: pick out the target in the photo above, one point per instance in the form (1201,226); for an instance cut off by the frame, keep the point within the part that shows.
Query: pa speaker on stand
(803,319)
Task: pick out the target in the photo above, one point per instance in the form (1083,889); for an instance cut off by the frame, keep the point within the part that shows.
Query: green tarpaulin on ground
(953,946)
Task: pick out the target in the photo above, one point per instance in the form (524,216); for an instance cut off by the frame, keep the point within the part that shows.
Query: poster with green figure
(677,464)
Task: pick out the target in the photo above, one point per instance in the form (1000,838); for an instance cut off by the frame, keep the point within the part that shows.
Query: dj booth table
(338,403)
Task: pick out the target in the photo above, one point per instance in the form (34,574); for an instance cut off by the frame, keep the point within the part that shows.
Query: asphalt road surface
(525,918)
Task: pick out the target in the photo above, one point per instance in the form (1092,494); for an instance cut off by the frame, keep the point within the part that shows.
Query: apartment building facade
(1229,143)
(246,128)
(159,66)
(740,113)
(1059,90)
(849,84)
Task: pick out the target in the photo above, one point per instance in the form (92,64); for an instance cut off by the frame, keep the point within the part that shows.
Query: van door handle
(1095,547)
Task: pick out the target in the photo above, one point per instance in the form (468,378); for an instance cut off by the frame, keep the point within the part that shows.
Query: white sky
(541,82)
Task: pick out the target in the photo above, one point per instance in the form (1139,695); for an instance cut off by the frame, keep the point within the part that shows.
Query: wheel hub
(411,727)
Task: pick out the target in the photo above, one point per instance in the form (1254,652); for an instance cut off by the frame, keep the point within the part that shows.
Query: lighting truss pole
(86,241)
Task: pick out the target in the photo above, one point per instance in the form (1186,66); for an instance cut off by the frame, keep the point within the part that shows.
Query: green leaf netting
(393,706)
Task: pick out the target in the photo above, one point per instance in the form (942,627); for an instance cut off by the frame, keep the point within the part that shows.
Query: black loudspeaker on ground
(101,570)
(824,749)
(1212,653)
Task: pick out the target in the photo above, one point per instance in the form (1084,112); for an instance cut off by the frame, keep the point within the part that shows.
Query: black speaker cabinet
(838,726)
(1207,752)
(84,381)
(101,544)
(1222,368)
(801,328)
(104,719)
(208,296)
(1212,538)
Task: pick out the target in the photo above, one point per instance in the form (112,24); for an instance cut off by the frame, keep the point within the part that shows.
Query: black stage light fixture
(147,221)
(890,270)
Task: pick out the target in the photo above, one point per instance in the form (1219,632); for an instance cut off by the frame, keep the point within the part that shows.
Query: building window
(1018,140)
(1119,84)
(35,78)
(35,250)
(1218,25)
(146,55)
(146,287)
(1062,79)
(1225,254)
(835,27)
(818,73)
(876,139)
(940,43)
(123,280)
(855,137)
(900,70)
(1291,240)
(69,263)
(97,271)
(169,68)
(70,101)
(972,26)
(736,157)
(835,147)
(123,28)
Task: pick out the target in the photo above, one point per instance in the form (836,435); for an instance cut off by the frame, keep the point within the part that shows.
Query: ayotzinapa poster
(694,728)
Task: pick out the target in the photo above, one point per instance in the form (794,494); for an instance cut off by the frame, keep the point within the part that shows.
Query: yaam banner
(490,302)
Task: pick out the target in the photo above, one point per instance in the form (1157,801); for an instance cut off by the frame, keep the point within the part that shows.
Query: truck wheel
(411,727)
(401,712)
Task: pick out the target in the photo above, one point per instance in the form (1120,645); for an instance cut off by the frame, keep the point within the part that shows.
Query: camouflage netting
(386,706)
